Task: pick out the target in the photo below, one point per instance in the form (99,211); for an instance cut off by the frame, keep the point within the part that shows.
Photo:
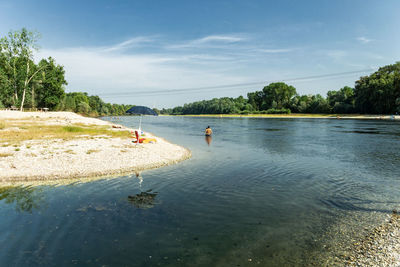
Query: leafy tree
(280,93)
(83,107)
(256,99)
(17,60)
(70,104)
(51,86)
(377,93)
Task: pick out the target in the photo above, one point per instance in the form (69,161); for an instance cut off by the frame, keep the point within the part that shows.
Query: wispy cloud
(149,63)
(219,38)
(275,51)
(101,70)
(209,41)
(364,40)
(133,42)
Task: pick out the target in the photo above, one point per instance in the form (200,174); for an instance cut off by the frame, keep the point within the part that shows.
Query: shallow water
(272,192)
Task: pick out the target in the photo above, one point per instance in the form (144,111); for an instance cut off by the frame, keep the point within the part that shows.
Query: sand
(81,157)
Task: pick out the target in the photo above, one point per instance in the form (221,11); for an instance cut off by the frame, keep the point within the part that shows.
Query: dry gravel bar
(380,247)
(80,157)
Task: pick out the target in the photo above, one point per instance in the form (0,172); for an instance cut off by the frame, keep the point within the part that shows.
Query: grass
(2,125)
(72,129)
(90,151)
(4,155)
(38,131)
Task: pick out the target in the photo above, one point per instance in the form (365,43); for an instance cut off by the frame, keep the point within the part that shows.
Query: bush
(244,112)
(83,107)
(94,113)
(277,111)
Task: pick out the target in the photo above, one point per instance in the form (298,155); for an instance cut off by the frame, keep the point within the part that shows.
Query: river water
(266,192)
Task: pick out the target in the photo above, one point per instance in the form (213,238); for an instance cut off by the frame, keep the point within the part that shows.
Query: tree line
(26,85)
(378,93)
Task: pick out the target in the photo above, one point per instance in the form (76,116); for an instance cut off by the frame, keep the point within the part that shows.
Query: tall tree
(17,53)
(377,93)
(50,90)
(280,93)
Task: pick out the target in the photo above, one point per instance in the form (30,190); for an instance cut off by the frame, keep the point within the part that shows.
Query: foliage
(25,84)
(277,111)
(50,90)
(83,107)
(278,95)
(378,93)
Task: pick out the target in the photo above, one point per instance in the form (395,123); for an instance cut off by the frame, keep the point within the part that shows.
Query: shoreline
(82,156)
(297,116)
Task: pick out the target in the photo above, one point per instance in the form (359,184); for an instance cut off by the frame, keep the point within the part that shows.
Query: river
(266,192)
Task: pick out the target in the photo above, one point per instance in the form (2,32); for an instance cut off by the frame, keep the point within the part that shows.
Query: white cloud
(99,71)
(219,38)
(109,70)
(275,51)
(209,41)
(364,40)
(133,42)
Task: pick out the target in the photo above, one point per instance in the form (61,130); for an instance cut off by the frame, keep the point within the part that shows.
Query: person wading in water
(208,131)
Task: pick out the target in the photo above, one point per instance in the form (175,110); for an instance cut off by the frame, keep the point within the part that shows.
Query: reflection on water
(267,192)
(24,198)
(208,139)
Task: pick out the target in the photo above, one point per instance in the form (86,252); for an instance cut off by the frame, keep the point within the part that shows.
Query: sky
(167,53)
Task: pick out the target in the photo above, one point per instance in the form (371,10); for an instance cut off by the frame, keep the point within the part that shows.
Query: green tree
(280,92)
(256,99)
(50,90)
(83,107)
(377,93)
(17,60)
(70,104)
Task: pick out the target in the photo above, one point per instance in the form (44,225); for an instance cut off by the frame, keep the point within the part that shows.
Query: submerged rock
(143,200)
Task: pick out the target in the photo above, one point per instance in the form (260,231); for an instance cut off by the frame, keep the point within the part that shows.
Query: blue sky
(135,47)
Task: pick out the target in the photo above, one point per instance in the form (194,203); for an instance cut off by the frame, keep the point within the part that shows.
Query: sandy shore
(80,157)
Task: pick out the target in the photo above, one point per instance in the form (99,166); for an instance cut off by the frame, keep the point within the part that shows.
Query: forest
(26,85)
(378,93)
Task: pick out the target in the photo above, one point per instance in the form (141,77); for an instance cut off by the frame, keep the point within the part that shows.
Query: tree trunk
(15,96)
(33,96)
(25,85)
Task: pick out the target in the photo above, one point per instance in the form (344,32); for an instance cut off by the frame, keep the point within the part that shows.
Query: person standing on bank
(208,131)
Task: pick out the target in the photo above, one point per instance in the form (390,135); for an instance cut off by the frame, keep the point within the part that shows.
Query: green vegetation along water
(266,192)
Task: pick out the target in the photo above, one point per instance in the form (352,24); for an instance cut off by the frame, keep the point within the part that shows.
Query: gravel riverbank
(83,156)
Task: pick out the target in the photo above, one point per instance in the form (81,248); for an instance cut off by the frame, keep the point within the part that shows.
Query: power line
(228,86)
